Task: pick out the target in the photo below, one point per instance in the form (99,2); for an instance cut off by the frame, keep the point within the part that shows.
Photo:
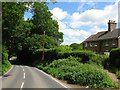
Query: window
(90,44)
(113,44)
(95,45)
(106,44)
(86,44)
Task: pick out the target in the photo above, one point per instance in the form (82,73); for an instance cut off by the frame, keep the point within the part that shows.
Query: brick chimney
(111,25)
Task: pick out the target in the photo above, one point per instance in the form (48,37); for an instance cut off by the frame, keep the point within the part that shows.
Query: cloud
(71,36)
(92,18)
(59,13)
(83,7)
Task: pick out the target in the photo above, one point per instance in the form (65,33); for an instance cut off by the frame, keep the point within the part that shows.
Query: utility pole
(43,45)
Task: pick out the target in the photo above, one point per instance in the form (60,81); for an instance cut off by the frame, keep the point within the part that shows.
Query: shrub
(118,74)
(76,46)
(65,52)
(5,63)
(115,57)
(73,71)
(100,60)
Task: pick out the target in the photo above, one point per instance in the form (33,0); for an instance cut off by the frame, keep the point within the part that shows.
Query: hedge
(115,57)
(29,57)
(86,56)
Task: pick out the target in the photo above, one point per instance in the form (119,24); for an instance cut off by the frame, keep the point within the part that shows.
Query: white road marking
(24,76)
(22,85)
(21,67)
(23,70)
(51,78)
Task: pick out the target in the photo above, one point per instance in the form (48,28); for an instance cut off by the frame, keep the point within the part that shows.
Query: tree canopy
(76,46)
(19,34)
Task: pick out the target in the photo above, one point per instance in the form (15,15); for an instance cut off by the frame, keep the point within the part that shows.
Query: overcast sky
(78,20)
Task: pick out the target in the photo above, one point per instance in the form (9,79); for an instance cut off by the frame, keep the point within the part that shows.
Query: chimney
(111,25)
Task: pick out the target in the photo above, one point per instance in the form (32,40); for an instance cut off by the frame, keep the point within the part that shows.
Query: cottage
(103,42)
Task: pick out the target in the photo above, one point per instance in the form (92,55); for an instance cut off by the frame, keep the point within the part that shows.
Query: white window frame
(86,44)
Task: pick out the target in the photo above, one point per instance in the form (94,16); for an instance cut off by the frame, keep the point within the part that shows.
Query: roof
(96,36)
(104,35)
(114,34)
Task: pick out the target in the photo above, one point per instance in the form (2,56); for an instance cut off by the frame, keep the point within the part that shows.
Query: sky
(78,20)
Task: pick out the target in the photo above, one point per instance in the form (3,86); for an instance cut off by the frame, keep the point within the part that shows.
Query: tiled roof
(96,36)
(110,35)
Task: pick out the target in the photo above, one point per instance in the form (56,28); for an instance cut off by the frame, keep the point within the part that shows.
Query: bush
(115,57)
(118,74)
(76,46)
(64,52)
(5,63)
(73,71)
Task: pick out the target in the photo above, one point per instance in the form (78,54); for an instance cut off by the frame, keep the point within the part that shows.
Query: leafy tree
(36,42)
(76,46)
(14,28)
(20,35)
(42,21)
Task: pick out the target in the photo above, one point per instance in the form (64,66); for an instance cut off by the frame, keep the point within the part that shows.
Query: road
(29,77)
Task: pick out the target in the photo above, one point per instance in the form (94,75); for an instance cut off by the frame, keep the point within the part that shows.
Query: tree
(36,42)
(42,21)
(19,35)
(76,46)
(12,25)
(14,28)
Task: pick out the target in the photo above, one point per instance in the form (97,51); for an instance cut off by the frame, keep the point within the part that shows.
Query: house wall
(102,46)
(107,45)
(93,46)
(119,42)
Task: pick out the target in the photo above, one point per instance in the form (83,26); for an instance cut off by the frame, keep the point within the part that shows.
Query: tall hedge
(115,57)
(86,56)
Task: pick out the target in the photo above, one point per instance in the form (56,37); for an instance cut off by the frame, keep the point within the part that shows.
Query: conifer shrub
(115,57)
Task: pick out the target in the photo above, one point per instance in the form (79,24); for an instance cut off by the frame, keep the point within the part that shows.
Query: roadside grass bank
(75,72)
(6,65)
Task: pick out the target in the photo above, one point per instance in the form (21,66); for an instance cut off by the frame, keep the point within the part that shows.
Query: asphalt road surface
(29,77)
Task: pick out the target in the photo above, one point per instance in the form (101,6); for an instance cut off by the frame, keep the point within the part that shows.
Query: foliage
(76,46)
(118,74)
(84,74)
(62,49)
(5,63)
(115,57)
(36,41)
(66,51)
(42,21)
(13,25)
(28,34)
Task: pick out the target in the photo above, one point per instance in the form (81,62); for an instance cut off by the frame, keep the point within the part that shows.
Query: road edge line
(8,70)
(52,78)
